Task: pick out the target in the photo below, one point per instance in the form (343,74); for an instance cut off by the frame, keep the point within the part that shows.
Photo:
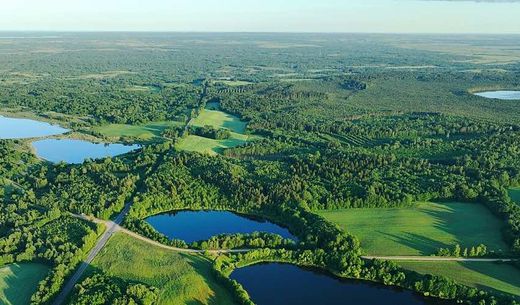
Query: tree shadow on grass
(424,245)
(204,267)
(504,272)
(18,292)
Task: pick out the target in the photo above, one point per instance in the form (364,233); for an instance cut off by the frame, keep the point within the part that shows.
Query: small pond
(284,284)
(192,226)
(501,95)
(77,151)
(11,128)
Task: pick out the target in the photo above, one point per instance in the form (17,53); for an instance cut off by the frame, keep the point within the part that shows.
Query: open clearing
(420,230)
(181,278)
(18,282)
(220,119)
(233,83)
(210,146)
(489,276)
(515,194)
(144,132)
(216,119)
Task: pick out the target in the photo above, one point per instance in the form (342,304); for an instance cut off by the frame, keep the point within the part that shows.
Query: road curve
(112,227)
(439,259)
(184,250)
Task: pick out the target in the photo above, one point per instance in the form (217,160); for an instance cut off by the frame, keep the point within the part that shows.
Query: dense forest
(342,130)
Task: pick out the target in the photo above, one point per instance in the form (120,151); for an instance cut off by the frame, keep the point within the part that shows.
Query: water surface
(501,95)
(11,128)
(77,151)
(192,226)
(283,284)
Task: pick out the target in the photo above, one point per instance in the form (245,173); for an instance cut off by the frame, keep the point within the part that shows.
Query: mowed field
(220,119)
(420,230)
(489,276)
(217,119)
(18,282)
(515,194)
(181,278)
(144,132)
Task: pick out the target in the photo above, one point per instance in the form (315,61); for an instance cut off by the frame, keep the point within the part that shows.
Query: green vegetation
(422,229)
(210,146)
(218,120)
(490,276)
(375,124)
(180,278)
(18,282)
(144,132)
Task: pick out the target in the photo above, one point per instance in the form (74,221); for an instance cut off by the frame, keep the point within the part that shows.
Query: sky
(374,16)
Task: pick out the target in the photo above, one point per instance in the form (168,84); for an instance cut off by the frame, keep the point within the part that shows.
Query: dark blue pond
(77,151)
(11,128)
(193,226)
(283,284)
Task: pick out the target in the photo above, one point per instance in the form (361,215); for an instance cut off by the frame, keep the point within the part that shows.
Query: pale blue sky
(450,16)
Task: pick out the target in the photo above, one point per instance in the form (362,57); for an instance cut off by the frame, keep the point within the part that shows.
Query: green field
(515,194)
(181,278)
(144,132)
(420,230)
(489,276)
(216,119)
(220,119)
(18,282)
(233,83)
(210,146)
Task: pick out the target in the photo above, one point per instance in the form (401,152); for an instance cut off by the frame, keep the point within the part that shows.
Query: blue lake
(11,128)
(192,226)
(284,284)
(500,95)
(77,151)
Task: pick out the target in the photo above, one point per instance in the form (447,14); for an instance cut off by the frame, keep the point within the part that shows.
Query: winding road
(114,226)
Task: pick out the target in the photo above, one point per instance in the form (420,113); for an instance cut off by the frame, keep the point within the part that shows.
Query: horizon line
(255,32)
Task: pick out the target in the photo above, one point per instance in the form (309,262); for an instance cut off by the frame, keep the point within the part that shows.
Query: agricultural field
(515,194)
(181,278)
(503,278)
(18,282)
(420,230)
(145,132)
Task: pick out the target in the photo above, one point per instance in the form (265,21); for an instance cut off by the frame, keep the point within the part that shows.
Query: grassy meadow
(18,282)
(490,276)
(216,119)
(420,230)
(220,119)
(181,278)
(145,132)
